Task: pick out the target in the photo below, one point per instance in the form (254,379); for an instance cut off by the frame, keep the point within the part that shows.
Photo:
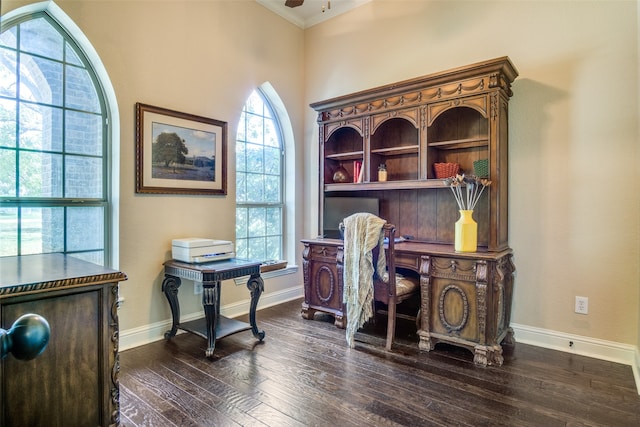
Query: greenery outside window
(53,145)
(259,182)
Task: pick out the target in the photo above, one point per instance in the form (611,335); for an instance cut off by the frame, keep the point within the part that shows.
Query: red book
(357,167)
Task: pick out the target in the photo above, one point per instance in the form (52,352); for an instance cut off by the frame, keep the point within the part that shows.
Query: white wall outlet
(582,305)
(197,288)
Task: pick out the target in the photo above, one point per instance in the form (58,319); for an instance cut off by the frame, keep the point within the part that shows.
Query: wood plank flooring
(303,374)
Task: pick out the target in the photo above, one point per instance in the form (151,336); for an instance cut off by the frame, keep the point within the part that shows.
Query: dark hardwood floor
(303,374)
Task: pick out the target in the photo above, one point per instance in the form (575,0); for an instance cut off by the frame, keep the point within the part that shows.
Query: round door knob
(27,338)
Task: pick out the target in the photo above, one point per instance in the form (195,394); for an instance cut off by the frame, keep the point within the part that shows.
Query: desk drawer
(454,268)
(323,253)
(408,260)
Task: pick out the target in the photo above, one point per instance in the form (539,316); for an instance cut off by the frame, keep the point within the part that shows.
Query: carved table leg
(488,355)
(170,286)
(210,303)
(340,321)
(425,343)
(255,286)
(307,312)
(509,340)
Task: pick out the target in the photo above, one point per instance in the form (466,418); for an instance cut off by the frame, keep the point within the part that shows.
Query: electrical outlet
(582,305)
(197,288)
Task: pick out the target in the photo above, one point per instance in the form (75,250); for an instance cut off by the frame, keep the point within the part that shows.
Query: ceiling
(311,11)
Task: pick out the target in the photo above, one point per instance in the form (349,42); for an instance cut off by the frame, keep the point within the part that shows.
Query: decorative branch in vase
(474,187)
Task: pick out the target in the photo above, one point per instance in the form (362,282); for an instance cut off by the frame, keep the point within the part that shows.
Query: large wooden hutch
(459,116)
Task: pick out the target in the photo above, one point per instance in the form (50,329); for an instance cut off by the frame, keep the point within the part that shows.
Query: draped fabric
(362,233)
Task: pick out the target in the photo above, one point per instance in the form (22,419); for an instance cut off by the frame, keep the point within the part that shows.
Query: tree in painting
(168,148)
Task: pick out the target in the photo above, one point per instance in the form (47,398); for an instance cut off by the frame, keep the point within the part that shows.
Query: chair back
(385,288)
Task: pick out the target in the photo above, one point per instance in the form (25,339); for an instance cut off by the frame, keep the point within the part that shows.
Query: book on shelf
(357,171)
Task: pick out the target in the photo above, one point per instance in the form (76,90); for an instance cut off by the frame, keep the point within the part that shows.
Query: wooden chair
(396,288)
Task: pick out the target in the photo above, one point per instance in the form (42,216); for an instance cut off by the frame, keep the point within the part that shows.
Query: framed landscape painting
(179,153)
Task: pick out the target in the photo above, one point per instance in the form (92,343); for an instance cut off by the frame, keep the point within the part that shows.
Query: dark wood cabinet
(455,116)
(466,301)
(323,286)
(74,382)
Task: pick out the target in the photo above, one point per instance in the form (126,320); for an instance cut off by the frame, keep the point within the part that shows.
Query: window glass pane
(256,248)
(85,228)
(8,176)
(241,187)
(8,231)
(241,156)
(241,134)
(257,226)
(40,175)
(241,248)
(80,90)
(255,187)
(254,129)
(83,177)
(255,158)
(274,221)
(39,37)
(83,133)
(42,230)
(40,127)
(71,56)
(242,219)
(8,38)
(272,160)
(272,188)
(270,134)
(254,103)
(40,80)
(7,123)
(8,76)
(273,247)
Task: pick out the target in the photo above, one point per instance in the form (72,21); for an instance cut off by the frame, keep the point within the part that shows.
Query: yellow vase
(466,232)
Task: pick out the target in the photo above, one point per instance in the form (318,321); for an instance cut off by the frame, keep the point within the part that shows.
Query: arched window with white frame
(55,148)
(259,182)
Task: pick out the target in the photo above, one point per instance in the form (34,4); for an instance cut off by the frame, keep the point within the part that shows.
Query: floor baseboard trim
(611,351)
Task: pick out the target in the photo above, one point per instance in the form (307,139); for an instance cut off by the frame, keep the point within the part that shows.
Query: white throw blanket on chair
(362,233)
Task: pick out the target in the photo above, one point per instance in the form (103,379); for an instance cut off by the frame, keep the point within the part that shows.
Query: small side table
(214,326)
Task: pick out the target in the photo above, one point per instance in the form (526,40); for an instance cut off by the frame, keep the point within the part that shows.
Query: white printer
(198,250)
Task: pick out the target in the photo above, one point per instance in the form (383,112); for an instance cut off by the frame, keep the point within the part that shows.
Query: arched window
(54,144)
(259,182)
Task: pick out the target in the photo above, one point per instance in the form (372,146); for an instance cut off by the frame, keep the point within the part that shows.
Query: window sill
(289,269)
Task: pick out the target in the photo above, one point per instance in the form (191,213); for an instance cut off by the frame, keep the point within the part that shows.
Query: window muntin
(259,182)
(53,145)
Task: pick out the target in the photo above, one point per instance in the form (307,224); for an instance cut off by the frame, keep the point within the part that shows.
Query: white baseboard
(611,351)
(584,346)
(154,332)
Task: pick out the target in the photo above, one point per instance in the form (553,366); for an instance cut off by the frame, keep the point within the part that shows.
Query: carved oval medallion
(453,308)
(324,275)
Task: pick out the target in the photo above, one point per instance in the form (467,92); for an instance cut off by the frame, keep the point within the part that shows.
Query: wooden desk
(74,382)
(214,326)
(465,298)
